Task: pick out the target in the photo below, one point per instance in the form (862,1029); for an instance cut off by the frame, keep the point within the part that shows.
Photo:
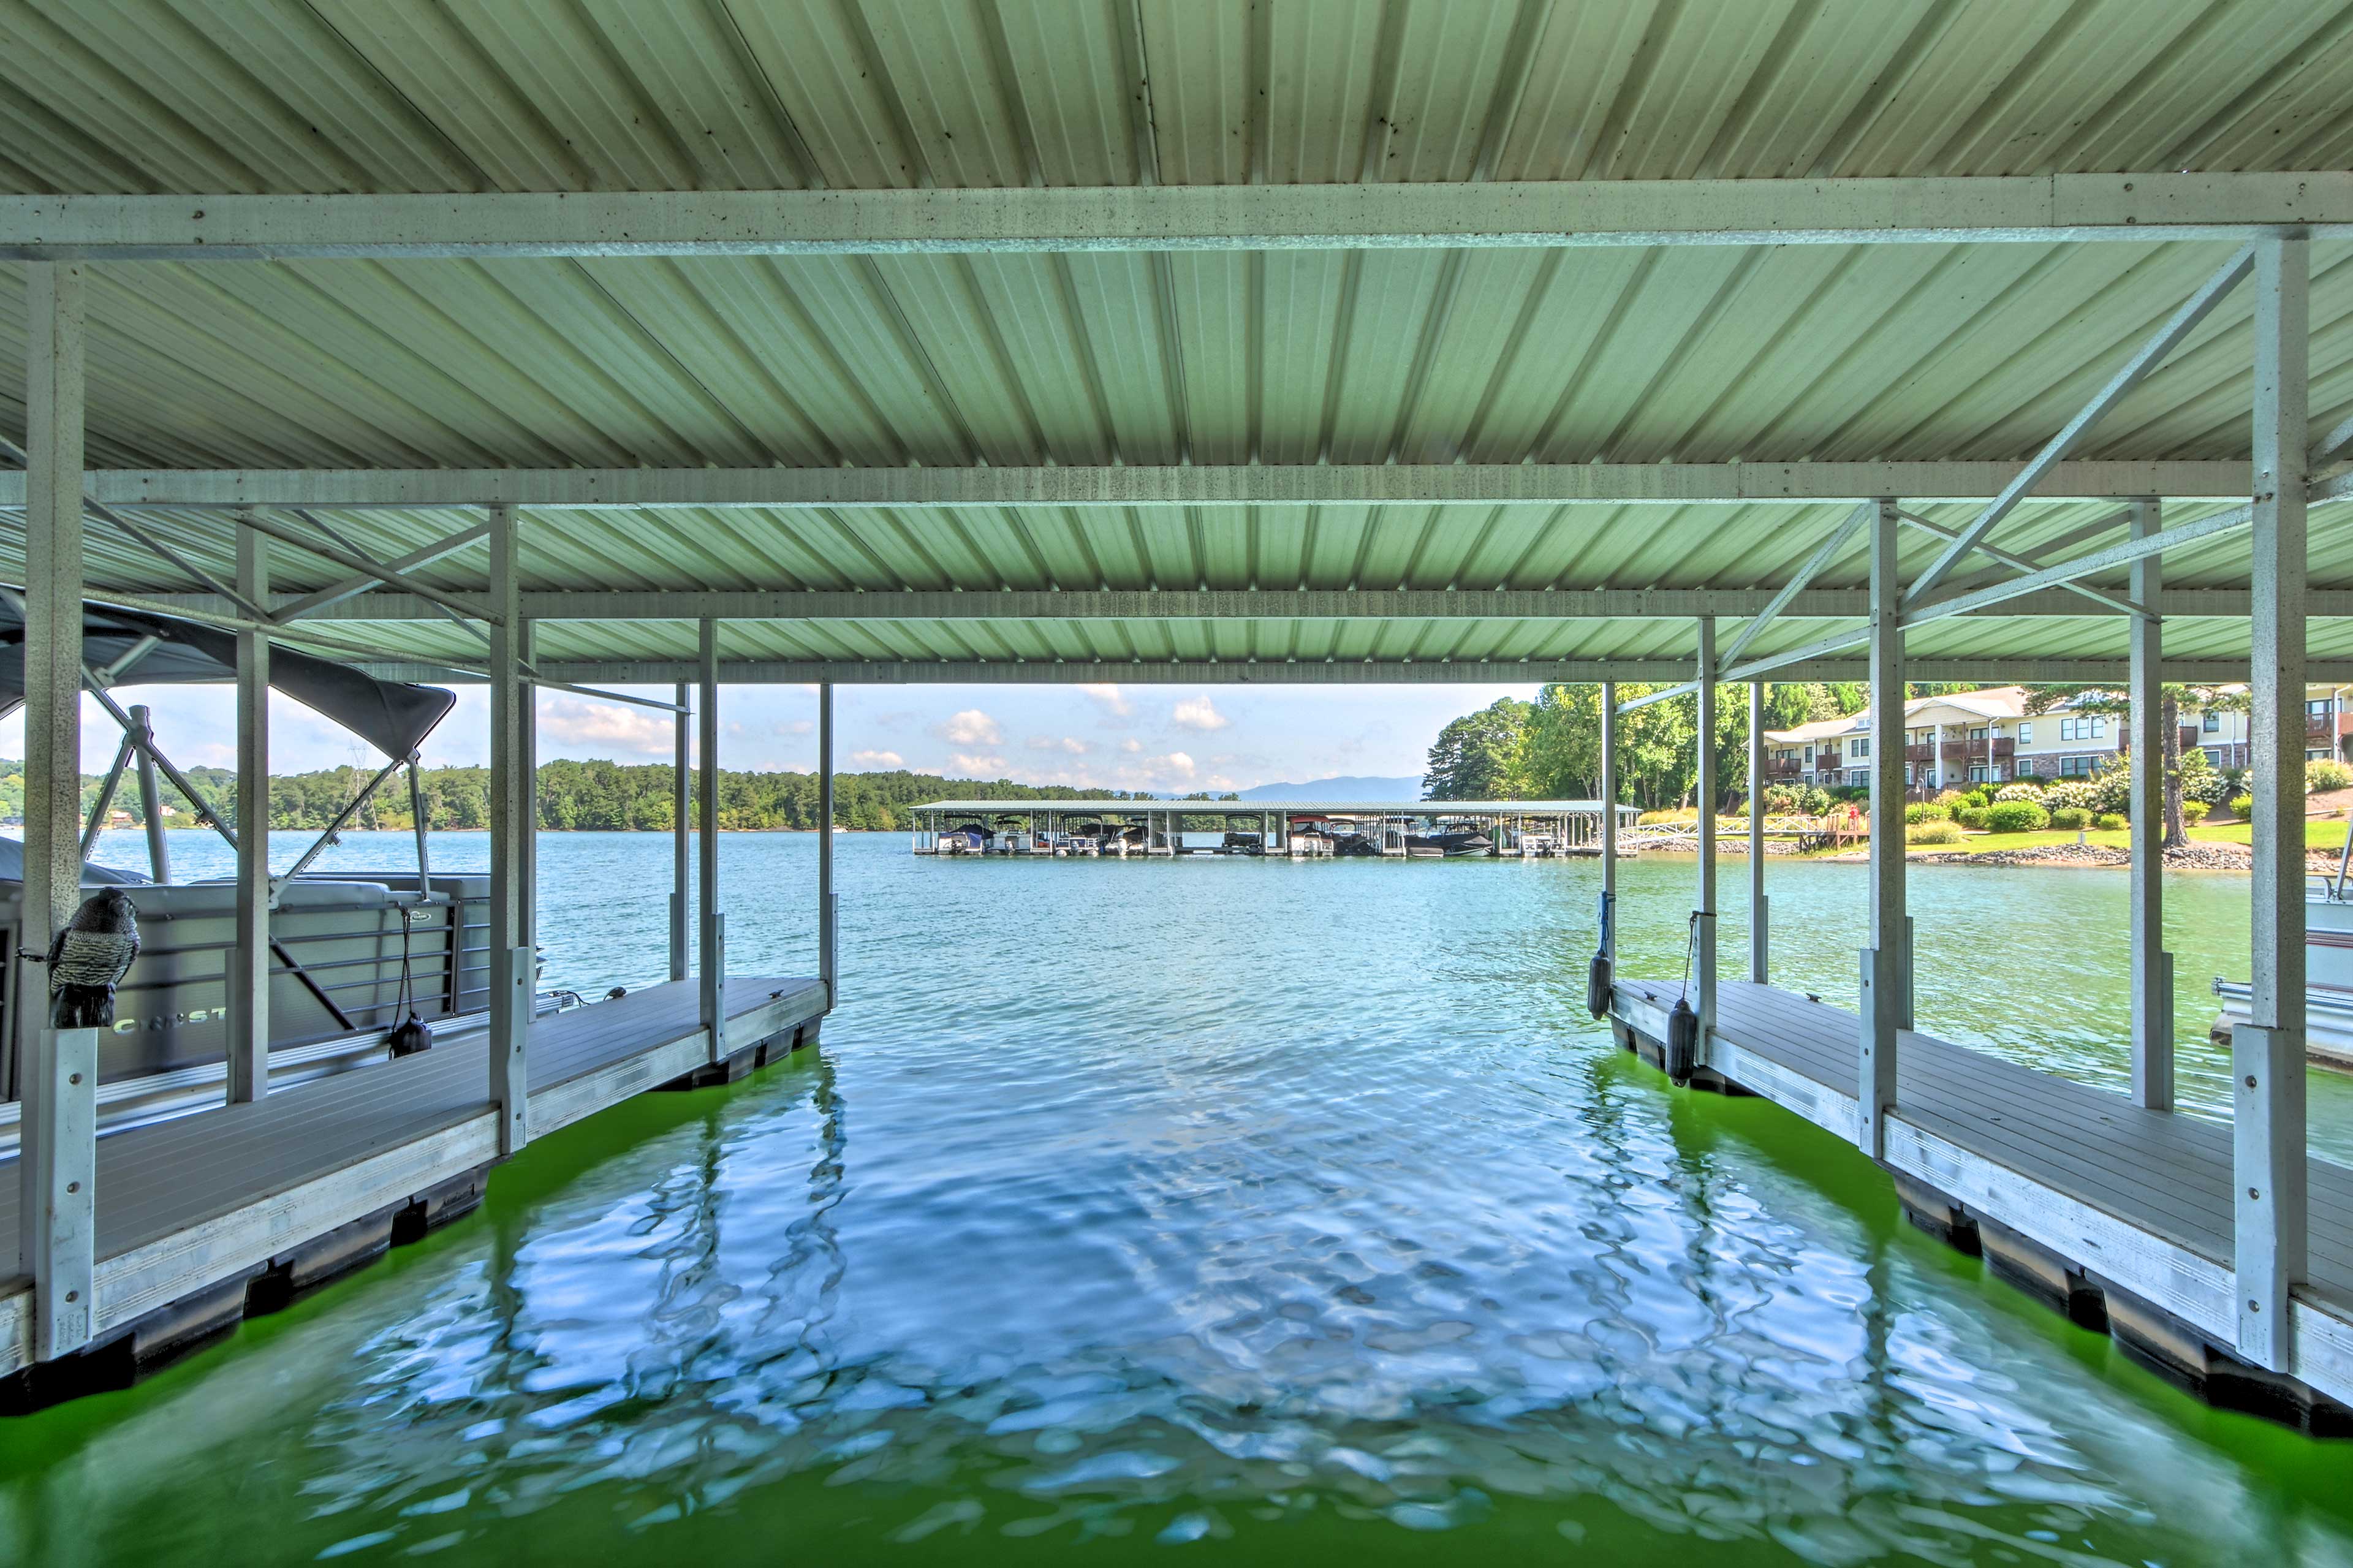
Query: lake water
(1267,1212)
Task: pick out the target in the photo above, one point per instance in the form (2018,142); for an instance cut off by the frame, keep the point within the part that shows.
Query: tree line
(601,796)
(1551,748)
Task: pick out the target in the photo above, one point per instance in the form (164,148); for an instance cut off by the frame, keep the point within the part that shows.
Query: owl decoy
(89,959)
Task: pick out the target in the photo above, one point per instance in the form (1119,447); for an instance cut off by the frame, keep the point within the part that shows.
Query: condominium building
(1988,737)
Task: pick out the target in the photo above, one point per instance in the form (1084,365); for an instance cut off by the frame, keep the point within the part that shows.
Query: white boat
(2328,970)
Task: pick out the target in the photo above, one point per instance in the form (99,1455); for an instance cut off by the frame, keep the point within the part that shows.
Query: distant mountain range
(1368,790)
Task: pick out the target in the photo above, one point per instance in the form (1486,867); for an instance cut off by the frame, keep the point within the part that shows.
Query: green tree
(1479,756)
(2172,698)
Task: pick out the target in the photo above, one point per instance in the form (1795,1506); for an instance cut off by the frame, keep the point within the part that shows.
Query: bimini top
(392,717)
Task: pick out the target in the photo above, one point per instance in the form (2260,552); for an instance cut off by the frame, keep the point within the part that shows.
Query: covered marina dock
(1516,828)
(1202,344)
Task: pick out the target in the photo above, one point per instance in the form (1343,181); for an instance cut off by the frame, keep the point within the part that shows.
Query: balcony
(1783,767)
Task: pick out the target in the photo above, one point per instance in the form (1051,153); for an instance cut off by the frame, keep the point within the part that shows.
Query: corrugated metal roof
(1689,353)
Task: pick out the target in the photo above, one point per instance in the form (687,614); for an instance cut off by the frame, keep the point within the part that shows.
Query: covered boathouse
(1305,341)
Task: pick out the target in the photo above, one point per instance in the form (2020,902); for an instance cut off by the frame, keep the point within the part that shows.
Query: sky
(1160,738)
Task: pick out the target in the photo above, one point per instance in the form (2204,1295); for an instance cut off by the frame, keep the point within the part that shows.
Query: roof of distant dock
(1211,342)
(1245,808)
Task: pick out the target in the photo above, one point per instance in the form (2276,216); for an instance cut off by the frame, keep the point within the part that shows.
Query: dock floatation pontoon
(346,948)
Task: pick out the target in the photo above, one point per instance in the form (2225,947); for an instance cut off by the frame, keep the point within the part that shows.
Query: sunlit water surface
(1268,1211)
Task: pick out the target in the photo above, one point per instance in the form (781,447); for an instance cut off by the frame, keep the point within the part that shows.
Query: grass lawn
(2320,833)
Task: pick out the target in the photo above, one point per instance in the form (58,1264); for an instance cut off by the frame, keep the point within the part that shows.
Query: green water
(1258,1212)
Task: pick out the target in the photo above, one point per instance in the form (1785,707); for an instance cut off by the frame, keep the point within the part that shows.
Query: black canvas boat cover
(393,717)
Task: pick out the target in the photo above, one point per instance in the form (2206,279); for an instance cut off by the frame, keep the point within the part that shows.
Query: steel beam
(2030,670)
(2038,209)
(1609,820)
(826,932)
(329,549)
(1704,932)
(682,771)
(248,958)
(1885,982)
(713,970)
(2113,604)
(57,1069)
(2268,1182)
(2152,966)
(1759,943)
(1827,551)
(351,588)
(594,607)
(2118,387)
(150,798)
(1187,485)
(512,960)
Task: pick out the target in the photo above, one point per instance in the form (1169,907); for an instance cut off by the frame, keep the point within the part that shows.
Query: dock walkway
(2107,1207)
(312,1179)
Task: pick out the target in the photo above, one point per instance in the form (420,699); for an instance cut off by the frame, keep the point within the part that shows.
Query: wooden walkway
(192,1205)
(2132,1200)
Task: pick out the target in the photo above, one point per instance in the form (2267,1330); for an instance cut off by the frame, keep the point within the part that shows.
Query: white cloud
(879,759)
(976,766)
(1176,763)
(1070,743)
(574,721)
(972,728)
(1131,746)
(799,726)
(1112,698)
(1200,713)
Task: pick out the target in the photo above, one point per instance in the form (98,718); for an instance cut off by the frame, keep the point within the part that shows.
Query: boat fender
(1598,985)
(1599,978)
(409,1036)
(1683,1042)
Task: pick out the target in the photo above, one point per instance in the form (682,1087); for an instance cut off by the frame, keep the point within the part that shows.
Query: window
(1859,747)
(2319,756)
(2025,733)
(2318,707)
(2077,768)
(2214,756)
(2087,728)
(2026,767)
(2211,723)
(1979,772)
(1978,733)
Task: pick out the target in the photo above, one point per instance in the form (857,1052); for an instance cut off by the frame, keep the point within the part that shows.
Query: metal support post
(1886,982)
(2267,1069)
(418,827)
(511,959)
(248,958)
(151,798)
(1609,820)
(2152,966)
(828,967)
(57,1069)
(527,792)
(682,769)
(706,781)
(1704,959)
(1758,939)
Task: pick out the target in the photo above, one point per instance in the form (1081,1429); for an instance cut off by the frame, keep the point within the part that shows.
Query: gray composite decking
(185,1204)
(2139,1199)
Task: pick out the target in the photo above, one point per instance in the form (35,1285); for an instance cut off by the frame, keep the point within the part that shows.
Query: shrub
(2016,816)
(2024,789)
(1921,811)
(2071,816)
(2327,774)
(1971,815)
(2108,821)
(2070,792)
(2242,805)
(2112,787)
(1945,832)
(2194,811)
(1813,799)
